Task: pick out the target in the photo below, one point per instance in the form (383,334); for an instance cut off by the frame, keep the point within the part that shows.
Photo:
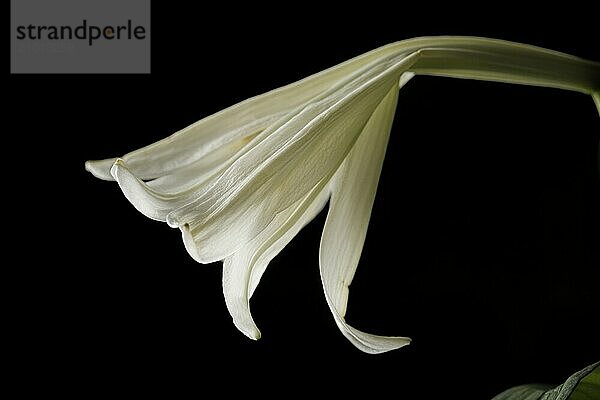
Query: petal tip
(101,169)
(247,327)
(253,334)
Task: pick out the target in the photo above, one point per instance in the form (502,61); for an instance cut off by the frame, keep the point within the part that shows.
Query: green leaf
(582,385)
(588,387)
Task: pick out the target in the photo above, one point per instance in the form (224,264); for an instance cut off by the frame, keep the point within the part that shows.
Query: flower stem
(498,60)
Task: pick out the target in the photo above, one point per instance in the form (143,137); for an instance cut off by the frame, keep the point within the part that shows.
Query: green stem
(498,60)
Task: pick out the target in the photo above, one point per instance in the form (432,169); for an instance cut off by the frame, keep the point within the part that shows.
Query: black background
(483,245)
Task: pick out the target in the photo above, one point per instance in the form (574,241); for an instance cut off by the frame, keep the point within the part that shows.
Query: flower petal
(241,120)
(192,175)
(185,147)
(284,166)
(243,269)
(353,193)
(157,198)
(181,185)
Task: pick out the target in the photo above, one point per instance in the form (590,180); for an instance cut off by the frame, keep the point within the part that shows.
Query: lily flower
(240,184)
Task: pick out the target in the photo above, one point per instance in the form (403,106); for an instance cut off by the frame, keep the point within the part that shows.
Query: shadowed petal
(353,193)
(243,269)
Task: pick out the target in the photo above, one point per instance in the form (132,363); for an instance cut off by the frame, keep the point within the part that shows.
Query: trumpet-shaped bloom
(240,184)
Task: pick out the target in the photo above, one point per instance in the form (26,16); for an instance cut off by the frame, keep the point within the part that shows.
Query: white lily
(241,183)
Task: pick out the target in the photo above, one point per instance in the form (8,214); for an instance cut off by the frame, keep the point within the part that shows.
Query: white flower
(241,183)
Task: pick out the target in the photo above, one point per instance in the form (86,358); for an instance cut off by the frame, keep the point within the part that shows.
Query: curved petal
(190,144)
(353,193)
(283,167)
(157,198)
(152,204)
(243,269)
(200,181)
